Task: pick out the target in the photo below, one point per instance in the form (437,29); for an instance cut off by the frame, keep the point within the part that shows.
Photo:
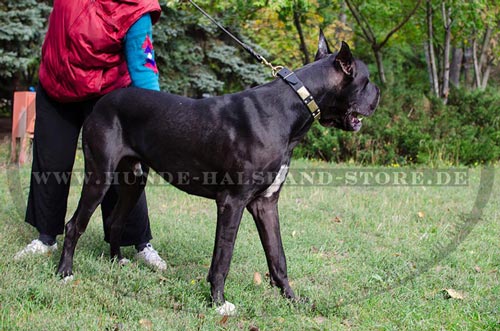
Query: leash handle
(249,49)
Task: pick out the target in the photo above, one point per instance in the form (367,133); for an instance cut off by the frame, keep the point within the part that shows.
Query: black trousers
(57,127)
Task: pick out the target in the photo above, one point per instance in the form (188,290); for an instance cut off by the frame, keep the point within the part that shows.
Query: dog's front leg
(229,212)
(265,214)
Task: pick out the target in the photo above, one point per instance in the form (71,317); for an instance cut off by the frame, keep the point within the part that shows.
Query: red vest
(82,55)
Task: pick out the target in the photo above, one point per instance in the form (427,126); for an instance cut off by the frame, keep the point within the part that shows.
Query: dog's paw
(227,309)
(67,279)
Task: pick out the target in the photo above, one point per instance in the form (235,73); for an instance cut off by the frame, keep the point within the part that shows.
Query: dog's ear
(345,60)
(323,49)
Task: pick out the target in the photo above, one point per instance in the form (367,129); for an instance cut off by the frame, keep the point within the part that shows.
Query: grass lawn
(367,257)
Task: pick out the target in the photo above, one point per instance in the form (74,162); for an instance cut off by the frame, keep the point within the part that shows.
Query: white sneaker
(151,258)
(36,247)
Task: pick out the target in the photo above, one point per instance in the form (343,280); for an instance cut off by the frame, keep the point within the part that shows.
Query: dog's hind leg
(265,214)
(132,185)
(94,189)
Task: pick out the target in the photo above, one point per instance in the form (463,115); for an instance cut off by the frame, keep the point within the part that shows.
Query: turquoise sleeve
(139,54)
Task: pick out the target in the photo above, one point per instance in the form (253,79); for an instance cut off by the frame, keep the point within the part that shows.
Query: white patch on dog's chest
(275,186)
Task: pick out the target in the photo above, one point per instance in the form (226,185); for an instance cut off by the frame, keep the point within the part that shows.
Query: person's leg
(137,229)
(57,127)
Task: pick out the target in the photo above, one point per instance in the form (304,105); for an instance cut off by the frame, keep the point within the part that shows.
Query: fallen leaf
(177,306)
(145,323)
(421,214)
(450,293)
(319,319)
(347,323)
(337,219)
(257,278)
(223,320)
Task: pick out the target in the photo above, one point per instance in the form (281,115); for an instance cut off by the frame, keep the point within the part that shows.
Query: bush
(410,128)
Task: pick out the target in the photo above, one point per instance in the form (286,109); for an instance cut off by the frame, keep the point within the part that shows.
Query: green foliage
(196,59)
(409,128)
(22,26)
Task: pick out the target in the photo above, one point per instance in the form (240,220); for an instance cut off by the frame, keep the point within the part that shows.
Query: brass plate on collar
(303,93)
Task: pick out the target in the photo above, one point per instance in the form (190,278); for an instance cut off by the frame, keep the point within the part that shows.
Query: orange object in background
(23,123)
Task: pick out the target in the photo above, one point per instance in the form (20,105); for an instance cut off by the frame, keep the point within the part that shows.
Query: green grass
(364,256)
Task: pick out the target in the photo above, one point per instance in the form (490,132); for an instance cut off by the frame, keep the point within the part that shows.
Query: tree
(195,58)
(296,11)
(465,32)
(289,28)
(22,27)
(373,34)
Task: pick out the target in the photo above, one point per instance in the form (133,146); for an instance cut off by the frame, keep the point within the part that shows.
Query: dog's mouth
(353,121)
(349,122)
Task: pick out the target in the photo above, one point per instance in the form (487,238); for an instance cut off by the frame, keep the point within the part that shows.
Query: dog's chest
(278,180)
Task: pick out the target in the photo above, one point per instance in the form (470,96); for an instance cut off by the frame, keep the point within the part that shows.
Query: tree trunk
(428,61)
(298,26)
(484,48)
(446,54)
(430,47)
(486,76)
(343,13)
(372,39)
(456,66)
(468,64)
(477,70)
(380,65)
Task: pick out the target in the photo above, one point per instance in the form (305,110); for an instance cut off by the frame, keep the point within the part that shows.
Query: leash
(277,71)
(249,49)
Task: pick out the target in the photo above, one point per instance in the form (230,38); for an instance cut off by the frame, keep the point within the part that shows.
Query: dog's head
(348,94)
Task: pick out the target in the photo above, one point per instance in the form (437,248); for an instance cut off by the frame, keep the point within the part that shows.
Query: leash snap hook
(274,69)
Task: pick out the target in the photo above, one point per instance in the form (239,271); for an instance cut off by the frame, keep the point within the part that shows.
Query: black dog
(238,135)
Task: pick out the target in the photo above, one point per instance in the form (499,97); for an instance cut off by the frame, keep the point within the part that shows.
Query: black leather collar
(291,78)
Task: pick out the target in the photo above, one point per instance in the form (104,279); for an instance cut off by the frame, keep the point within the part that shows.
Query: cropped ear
(323,49)
(345,60)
